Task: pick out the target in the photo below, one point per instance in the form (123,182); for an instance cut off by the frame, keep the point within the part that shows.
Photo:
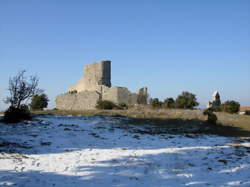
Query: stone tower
(215,100)
(95,75)
(98,73)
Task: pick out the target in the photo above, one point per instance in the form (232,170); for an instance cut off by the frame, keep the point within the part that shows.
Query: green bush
(105,105)
(39,102)
(73,92)
(156,103)
(123,106)
(15,115)
(169,103)
(216,108)
(230,107)
(211,117)
(186,101)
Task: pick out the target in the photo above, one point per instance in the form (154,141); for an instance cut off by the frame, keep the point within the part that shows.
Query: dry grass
(234,120)
(241,122)
(135,112)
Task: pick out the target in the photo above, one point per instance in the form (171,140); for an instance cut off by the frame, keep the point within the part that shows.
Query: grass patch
(228,124)
(186,126)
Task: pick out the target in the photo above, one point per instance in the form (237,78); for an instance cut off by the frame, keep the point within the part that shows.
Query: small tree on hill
(169,103)
(39,102)
(230,107)
(186,101)
(21,90)
(156,103)
(211,117)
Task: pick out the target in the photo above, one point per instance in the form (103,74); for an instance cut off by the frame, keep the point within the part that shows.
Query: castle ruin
(96,85)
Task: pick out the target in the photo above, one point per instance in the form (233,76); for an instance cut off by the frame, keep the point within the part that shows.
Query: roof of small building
(244,108)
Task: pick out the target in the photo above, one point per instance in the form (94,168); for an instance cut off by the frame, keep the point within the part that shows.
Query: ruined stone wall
(117,95)
(95,85)
(123,95)
(79,101)
(87,100)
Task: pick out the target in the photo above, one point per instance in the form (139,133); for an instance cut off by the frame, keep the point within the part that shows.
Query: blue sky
(169,46)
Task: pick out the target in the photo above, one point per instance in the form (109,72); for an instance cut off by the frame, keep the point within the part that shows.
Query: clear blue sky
(169,46)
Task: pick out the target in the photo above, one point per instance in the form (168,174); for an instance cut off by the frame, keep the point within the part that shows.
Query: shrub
(169,103)
(39,102)
(156,103)
(73,92)
(123,105)
(230,107)
(211,117)
(186,101)
(105,105)
(15,115)
(216,108)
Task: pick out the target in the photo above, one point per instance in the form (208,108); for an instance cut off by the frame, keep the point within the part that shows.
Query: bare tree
(22,89)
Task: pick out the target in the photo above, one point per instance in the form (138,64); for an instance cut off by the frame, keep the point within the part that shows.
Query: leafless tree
(22,89)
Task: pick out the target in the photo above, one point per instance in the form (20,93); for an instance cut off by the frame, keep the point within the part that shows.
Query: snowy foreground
(100,151)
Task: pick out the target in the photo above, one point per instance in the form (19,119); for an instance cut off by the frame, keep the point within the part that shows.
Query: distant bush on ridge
(186,100)
(230,107)
(39,102)
(169,103)
(156,103)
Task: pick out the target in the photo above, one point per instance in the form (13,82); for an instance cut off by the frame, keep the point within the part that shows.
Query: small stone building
(96,85)
(215,100)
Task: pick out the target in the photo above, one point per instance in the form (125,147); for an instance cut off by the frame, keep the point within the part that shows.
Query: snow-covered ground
(96,151)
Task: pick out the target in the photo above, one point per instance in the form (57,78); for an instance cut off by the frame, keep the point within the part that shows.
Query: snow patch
(96,151)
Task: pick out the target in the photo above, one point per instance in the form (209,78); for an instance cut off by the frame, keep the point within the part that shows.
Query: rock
(45,143)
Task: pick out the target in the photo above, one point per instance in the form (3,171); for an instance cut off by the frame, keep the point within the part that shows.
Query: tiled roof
(244,108)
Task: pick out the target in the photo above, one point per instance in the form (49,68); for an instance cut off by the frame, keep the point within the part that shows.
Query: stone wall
(77,101)
(87,100)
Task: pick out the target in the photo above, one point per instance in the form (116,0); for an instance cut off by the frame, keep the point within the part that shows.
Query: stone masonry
(97,74)
(96,85)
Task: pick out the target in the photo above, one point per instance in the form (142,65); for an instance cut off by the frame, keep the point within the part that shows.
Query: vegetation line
(144,112)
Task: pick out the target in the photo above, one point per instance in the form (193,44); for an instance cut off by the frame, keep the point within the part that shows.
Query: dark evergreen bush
(169,103)
(186,101)
(15,115)
(211,117)
(39,102)
(105,105)
(216,108)
(230,107)
(123,106)
(156,103)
